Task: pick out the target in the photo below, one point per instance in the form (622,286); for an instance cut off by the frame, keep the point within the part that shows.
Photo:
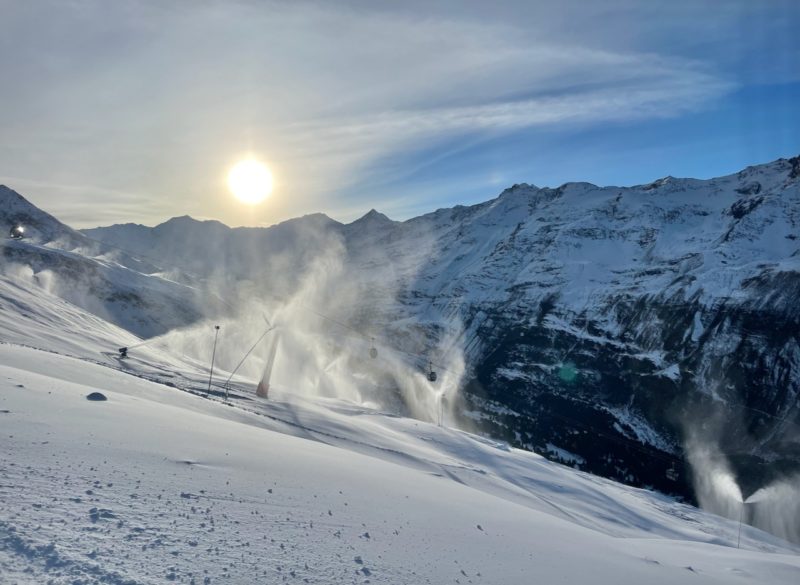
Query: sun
(250,181)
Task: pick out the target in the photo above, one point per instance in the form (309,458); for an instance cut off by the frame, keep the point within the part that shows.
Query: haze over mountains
(612,328)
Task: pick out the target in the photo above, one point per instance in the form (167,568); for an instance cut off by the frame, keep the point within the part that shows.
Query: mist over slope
(631,311)
(612,328)
(109,282)
(161,482)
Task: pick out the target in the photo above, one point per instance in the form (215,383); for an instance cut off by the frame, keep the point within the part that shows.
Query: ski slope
(655,298)
(162,484)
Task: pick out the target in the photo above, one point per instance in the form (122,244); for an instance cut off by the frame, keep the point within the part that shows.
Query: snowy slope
(597,321)
(162,484)
(99,278)
(159,485)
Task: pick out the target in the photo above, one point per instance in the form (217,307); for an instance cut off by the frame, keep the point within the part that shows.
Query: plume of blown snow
(776,508)
(715,485)
(328,320)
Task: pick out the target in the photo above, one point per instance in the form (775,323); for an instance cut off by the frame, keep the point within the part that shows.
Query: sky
(134,111)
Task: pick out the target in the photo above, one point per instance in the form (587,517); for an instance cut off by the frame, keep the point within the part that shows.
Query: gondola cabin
(431,373)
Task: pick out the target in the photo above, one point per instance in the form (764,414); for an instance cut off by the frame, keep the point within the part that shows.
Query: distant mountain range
(600,325)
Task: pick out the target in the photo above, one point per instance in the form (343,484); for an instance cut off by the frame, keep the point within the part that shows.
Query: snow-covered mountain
(607,328)
(218,254)
(601,325)
(107,281)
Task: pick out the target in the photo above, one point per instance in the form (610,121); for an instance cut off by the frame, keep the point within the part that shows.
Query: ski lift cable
(145,342)
(734,405)
(780,419)
(339,323)
(419,356)
(422,358)
(730,405)
(249,351)
(152,339)
(363,335)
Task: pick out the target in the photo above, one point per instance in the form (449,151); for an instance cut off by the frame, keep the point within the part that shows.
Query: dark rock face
(96,397)
(603,325)
(626,415)
(795,171)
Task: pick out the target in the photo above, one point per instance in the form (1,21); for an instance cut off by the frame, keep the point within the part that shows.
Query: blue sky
(134,111)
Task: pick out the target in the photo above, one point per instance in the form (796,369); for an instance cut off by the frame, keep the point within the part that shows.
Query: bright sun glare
(250,181)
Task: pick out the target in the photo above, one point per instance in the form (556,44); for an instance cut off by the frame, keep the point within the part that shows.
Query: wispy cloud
(158,98)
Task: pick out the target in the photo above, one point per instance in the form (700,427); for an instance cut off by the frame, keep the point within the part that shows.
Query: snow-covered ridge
(558,299)
(593,237)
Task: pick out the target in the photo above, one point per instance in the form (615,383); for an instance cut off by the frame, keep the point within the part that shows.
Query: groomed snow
(156,484)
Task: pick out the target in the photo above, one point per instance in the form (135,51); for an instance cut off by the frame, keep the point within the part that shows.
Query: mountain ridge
(778,164)
(624,311)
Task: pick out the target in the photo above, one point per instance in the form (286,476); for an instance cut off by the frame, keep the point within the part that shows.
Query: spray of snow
(328,317)
(44,279)
(715,485)
(776,508)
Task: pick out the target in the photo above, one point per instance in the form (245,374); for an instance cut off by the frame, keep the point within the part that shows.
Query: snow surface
(162,484)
